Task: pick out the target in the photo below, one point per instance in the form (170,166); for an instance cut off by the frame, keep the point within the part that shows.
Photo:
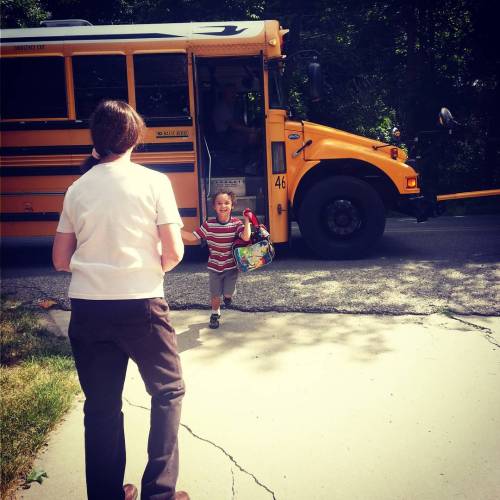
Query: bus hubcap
(342,218)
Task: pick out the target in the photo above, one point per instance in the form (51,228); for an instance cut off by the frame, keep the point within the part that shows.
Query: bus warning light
(411,182)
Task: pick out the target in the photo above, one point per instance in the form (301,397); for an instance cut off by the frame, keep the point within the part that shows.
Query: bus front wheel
(341,218)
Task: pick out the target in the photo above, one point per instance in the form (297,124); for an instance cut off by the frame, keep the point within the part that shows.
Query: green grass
(37,386)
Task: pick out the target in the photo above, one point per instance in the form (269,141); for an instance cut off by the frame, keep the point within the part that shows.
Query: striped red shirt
(220,238)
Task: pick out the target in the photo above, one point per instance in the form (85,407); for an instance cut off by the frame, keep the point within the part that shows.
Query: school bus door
(232,157)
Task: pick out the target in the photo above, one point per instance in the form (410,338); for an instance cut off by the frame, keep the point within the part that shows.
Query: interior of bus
(231,122)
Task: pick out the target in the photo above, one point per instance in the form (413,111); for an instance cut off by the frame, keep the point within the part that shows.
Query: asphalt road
(447,265)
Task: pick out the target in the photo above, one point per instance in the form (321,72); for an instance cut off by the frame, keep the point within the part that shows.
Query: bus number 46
(280,182)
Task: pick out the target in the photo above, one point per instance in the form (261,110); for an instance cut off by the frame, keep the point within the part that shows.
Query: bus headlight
(411,182)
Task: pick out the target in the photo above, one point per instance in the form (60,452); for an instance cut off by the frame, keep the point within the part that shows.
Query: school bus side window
(161,85)
(97,78)
(33,87)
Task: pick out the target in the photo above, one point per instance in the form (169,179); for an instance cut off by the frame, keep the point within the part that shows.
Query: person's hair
(223,191)
(115,127)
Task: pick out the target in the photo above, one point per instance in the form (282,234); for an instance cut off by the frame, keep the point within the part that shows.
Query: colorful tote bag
(257,252)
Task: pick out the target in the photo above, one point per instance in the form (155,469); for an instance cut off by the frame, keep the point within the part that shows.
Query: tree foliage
(21,13)
(385,62)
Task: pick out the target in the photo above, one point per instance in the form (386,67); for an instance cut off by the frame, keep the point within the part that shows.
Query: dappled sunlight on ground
(266,337)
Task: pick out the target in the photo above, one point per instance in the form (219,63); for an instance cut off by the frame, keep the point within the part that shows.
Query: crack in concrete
(231,458)
(232,482)
(488,334)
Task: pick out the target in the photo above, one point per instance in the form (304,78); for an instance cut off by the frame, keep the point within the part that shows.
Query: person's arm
(247,229)
(63,249)
(189,236)
(171,244)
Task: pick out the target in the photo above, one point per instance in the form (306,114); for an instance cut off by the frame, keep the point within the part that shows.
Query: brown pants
(104,334)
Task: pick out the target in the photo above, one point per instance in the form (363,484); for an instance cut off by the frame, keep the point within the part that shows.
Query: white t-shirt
(114,210)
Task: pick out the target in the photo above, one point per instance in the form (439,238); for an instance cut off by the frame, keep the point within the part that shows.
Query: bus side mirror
(446,119)
(396,135)
(315,81)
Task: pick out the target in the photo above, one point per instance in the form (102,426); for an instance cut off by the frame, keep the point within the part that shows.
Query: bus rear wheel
(341,218)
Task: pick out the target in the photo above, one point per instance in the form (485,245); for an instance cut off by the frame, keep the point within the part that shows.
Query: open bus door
(231,132)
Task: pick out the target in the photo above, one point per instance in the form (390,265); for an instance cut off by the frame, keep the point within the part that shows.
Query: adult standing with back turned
(119,232)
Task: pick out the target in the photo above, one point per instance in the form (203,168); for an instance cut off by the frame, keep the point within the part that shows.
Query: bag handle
(251,216)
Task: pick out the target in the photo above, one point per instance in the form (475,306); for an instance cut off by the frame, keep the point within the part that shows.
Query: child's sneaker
(228,301)
(214,321)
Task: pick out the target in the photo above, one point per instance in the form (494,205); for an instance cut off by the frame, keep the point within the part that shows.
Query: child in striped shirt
(220,232)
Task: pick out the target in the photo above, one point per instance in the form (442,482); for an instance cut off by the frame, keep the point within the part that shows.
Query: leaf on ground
(46,303)
(36,475)
(10,304)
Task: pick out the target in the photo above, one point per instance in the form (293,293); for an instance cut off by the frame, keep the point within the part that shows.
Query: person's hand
(247,231)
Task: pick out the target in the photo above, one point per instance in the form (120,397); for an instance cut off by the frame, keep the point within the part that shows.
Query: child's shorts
(223,283)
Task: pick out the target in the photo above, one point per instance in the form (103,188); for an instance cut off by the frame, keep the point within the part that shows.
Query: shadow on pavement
(269,336)
(190,338)
(22,252)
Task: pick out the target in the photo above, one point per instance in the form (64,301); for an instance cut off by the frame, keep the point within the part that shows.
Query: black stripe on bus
(54,216)
(188,212)
(174,121)
(171,168)
(33,193)
(48,125)
(29,216)
(38,171)
(44,150)
(76,170)
(62,38)
(156,147)
(86,149)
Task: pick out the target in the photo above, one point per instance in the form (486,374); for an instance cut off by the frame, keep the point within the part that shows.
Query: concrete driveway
(295,406)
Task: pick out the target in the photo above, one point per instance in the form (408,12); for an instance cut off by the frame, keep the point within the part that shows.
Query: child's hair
(115,127)
(223,191)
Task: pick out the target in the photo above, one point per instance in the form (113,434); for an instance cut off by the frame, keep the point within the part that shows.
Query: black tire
(341,218)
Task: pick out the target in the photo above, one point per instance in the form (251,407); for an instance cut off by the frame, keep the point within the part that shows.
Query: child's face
(223,206)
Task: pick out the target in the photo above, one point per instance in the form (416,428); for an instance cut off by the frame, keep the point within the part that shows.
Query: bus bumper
(419,206)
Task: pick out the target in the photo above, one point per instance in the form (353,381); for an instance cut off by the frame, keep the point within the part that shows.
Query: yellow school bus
(213,101)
